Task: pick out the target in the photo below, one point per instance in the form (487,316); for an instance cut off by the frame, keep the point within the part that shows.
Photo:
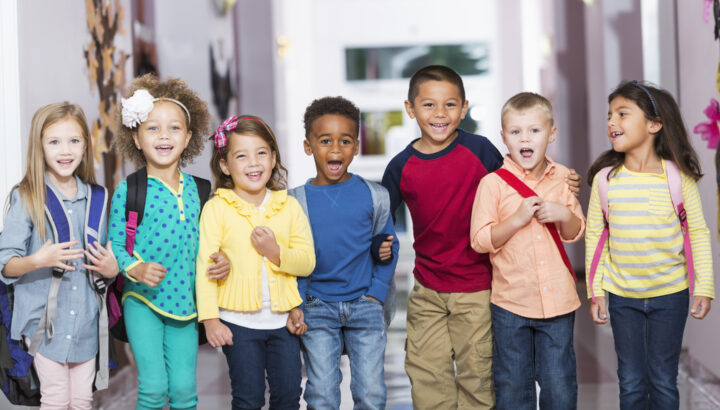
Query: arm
(704,290)
(298,258)
(206,289)
(383,273)
(595,225)
(381,249)
(391,182)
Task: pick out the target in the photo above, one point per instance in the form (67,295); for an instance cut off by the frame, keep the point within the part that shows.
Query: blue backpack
(18,378)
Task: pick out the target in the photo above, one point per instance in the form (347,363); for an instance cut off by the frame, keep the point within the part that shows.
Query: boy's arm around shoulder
(211,237)
(298,259)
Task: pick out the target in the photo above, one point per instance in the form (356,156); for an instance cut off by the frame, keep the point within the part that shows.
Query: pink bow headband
(229,125)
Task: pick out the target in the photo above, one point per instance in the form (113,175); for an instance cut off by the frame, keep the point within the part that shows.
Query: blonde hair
(249,125)
(525,101)
(32,186)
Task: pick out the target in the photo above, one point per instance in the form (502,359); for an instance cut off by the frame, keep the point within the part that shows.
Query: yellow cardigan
(226,224)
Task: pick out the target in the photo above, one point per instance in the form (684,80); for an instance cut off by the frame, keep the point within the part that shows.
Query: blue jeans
(255,350)
(528,350)
(648,339)
(359,327)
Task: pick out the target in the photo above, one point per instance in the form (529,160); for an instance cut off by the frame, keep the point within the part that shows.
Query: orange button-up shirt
(529,276)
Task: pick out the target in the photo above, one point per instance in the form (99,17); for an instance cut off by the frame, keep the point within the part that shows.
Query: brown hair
(524,101)
(434,73)
(32,186)
(174,88)
(249,125)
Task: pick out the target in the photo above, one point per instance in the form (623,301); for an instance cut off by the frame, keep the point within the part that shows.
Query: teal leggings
(165,352)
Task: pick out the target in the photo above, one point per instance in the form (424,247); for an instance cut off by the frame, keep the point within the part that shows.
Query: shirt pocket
(659,203)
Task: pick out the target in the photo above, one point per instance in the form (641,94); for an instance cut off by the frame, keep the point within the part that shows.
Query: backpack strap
(299,193)
(134,206)
(381,205)
(675,186)
(203,187)
(603,187)
(526,192)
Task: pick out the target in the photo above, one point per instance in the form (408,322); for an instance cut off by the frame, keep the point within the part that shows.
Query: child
(344,296)
(643,265)
(533,298)
(161,127)
(449,343)
(59,160)
(268,238)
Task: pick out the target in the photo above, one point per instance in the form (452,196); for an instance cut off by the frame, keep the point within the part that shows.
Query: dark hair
(671,142)
(171,88)
(248,125)
(434,73)
(330,105)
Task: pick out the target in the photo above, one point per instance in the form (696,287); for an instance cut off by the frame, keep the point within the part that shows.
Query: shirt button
(542,262)
(265,258)
(74,287)
(544,288)
(275,304)
(272,280)
(72,312)
(68,337)
(69,211)
(537,237)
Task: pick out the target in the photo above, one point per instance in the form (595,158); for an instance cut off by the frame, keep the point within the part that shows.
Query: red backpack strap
(675,186)
(526,192)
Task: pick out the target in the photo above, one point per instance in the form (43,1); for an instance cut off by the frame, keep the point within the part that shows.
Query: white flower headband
(135,109)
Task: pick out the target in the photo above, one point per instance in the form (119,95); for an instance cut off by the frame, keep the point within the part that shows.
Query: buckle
(58,273)
(99,285)
(682,215)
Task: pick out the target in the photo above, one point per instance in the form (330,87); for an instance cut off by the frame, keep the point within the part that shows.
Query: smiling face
(63,145)
(163,136)
(333,142)
(527,134)
(249,162)
(438,109)
(629,130)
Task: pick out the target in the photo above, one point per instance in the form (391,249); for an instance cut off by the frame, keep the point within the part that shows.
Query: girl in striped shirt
(643,267)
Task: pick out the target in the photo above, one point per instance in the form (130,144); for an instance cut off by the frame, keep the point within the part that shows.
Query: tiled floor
(596,376)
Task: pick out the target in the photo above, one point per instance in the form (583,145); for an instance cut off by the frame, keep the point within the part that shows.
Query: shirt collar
(521,173)
(82,189)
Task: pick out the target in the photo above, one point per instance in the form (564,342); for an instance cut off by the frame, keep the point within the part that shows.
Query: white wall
(698,59)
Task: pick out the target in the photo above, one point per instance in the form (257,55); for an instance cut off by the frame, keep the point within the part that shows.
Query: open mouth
(526,153)
(334,166)
(439,127)
(254,176)
(616,134)
(65,162)
(164,149)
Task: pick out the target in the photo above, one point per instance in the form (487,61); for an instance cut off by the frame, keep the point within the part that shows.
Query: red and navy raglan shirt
(439,190)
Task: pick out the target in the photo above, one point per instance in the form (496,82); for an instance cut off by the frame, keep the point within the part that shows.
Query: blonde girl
(59,157)
(268,239)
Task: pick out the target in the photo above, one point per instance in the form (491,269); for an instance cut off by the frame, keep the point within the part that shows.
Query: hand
(57,255)
(102,260)
(552,212)
(385,251)
(221,268)
(263,239)
(598,311)
(296,322)
(217,333)
(150,273)
(574,180)
(527,210)
(700,307)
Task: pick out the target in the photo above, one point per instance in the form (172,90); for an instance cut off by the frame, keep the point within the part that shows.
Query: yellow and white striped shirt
(644,256)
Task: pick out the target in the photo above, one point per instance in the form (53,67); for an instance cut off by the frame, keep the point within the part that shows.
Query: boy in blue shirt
(344,295)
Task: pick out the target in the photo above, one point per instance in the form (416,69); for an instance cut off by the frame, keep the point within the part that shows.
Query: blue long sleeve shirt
(76,324)
(341,217)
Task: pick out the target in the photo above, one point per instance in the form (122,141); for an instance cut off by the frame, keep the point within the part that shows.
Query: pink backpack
(675,186)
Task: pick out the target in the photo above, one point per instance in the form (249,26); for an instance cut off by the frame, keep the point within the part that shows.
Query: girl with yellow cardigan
(267,238)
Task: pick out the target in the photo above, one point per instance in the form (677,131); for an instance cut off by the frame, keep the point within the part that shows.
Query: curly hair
(174,88)
(330,105)
(249,125)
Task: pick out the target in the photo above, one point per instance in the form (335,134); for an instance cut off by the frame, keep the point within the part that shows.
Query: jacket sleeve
(16,235)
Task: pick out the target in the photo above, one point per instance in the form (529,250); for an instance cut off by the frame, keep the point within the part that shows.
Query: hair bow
(227,126)
(709,131)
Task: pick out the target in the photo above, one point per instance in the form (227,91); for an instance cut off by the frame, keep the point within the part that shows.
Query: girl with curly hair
(161,127)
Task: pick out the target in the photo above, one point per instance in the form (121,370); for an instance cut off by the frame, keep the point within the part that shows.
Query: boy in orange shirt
(534,298)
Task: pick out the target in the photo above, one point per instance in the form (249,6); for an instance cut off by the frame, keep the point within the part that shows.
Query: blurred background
(271,58)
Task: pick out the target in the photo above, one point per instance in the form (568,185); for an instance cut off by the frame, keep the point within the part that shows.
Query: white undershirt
(264,318)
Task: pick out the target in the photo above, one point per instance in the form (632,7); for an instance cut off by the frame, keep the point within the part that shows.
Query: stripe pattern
(644,254)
